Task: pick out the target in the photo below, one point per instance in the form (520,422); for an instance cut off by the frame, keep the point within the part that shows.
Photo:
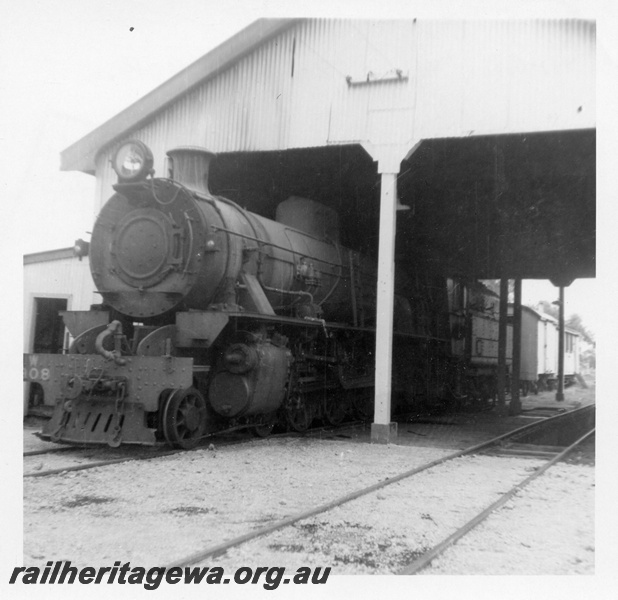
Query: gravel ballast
(158,511)
(154,512)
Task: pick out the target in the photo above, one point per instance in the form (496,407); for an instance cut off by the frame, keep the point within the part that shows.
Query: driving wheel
(299,417)
(334,411)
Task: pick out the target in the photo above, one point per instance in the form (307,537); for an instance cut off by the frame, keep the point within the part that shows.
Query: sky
(71,66)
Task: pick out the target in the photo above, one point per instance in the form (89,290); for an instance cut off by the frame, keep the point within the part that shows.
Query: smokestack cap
(190,167)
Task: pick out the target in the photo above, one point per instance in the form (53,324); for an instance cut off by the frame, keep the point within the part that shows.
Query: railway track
(422,556)
(48,451)
(425,560)
(189,504)
(134,453)
(80,453)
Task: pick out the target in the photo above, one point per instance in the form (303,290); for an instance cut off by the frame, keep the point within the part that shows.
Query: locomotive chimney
(190,167)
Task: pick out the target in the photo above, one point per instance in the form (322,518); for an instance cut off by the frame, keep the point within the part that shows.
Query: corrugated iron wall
(503,77)
(455,79)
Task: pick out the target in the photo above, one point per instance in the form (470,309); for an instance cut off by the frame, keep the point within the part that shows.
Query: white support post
(388,154)
(382,430)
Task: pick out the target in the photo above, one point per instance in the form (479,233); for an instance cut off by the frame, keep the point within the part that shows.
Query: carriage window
(569,342)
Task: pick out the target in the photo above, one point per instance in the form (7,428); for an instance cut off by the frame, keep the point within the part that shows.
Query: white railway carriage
(571,355)
(539,350)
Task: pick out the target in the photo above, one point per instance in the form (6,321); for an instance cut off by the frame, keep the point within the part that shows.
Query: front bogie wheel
(183,418)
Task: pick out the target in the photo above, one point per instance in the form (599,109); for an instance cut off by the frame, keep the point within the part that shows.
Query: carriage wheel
(184,418)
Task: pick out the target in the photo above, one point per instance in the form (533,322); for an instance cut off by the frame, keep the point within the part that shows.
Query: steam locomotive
(215,318)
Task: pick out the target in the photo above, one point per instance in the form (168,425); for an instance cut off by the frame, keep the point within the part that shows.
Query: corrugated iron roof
(49,255)
(538,313)
(80,156)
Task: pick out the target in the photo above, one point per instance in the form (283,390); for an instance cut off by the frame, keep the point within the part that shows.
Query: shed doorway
(48,325)
(49,338)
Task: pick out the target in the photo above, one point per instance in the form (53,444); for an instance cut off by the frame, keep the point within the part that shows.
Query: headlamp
(132,161)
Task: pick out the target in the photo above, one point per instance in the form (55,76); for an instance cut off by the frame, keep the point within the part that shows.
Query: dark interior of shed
(341,177)
(480,207)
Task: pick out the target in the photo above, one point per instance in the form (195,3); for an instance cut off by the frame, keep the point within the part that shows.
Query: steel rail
(434,552)
(101,463)
(51,450)
(223,444)
(219,549)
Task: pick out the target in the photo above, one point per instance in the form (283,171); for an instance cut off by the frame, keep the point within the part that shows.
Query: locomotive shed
(493,153)
(461,149)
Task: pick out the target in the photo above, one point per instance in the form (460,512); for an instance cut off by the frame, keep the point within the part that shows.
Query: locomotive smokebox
(190,167)
(152,246)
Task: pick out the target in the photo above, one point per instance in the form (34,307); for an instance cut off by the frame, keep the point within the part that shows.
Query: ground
(155,512)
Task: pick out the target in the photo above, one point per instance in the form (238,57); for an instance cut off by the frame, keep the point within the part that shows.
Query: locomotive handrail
(273,245)
(161,202)
(188,220)
(247,213)
(288,292)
